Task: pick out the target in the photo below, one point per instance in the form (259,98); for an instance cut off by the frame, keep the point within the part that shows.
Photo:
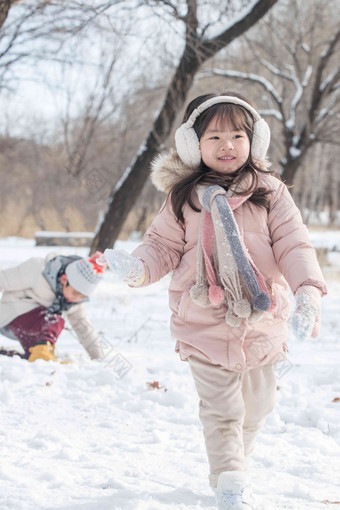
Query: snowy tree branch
(331,82)
(272,113)
(324,59)
(326,111)
(251,77)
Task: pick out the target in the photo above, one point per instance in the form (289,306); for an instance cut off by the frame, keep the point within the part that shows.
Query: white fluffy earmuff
(187,143)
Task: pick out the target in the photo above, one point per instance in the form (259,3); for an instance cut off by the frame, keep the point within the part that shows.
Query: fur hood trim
(167,169)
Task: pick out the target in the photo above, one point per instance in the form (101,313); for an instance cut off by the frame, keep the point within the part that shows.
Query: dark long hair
(240,119)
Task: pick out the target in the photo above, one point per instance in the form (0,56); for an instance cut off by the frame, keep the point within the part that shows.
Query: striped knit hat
(84,274)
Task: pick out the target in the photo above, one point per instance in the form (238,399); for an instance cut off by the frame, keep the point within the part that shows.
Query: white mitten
(306,317)
(126,266)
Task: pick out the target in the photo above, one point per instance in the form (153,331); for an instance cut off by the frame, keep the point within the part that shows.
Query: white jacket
(25,288)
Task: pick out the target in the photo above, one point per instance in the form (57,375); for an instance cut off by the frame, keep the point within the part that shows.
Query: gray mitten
(125,266)
(306,317)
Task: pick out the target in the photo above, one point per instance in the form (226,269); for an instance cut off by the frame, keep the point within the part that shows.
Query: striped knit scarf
(225,272)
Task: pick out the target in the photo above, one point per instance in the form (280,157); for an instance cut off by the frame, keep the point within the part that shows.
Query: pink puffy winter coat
(278,243)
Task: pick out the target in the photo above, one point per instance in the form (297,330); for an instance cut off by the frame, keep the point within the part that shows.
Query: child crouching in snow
(36,295)
(234,240)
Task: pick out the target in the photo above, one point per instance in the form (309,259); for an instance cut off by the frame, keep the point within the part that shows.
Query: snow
(271,113)
(307,76)
(325,238)
(296,100)
(92,434)
(290,124)
(294,152)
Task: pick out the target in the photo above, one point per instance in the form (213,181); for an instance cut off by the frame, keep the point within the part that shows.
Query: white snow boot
(233,491)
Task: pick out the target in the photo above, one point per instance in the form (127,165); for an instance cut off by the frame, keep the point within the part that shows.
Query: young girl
(234,240)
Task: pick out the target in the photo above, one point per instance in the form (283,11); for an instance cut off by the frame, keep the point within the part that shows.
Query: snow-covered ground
(91,435)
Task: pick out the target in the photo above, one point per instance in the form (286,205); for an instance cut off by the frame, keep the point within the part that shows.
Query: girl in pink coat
(235,243)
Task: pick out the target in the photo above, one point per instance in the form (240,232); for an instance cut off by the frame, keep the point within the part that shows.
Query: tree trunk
(5,6)
(125,193)
(195,53)
(289,170)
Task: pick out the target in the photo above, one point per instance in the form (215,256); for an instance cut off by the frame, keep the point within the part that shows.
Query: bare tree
(54,31)
(296,54)
(47,31)
(197,50)
(35,31)
(98,108)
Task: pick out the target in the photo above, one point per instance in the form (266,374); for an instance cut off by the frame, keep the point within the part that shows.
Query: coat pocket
(280,297)
(184,303)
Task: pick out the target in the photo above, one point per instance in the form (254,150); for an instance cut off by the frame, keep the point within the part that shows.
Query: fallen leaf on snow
(155,386)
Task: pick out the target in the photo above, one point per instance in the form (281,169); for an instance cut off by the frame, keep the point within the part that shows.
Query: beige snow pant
(233,408)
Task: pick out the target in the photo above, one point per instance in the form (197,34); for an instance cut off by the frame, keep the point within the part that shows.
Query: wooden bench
(50,238)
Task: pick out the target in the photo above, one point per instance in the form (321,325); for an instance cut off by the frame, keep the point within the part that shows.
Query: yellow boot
(42,351)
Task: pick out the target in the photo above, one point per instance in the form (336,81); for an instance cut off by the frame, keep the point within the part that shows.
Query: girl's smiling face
(223,148)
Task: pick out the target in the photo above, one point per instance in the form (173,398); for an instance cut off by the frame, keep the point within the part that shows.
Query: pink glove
(306,317)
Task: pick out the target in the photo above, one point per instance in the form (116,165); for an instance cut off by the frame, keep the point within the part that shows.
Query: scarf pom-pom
(242,308)
(200,295)
(216,295)
(255,316)
(232,320)
(262,302)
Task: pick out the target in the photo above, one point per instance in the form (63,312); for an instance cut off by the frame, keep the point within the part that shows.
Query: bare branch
(277,71)
(330,83)
(92,116)
(326,111)
(325,57)
(250,77)
(245,20)
(167,3)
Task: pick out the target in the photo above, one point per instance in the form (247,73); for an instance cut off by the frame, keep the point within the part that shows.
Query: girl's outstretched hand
(125,266)
(306,317)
